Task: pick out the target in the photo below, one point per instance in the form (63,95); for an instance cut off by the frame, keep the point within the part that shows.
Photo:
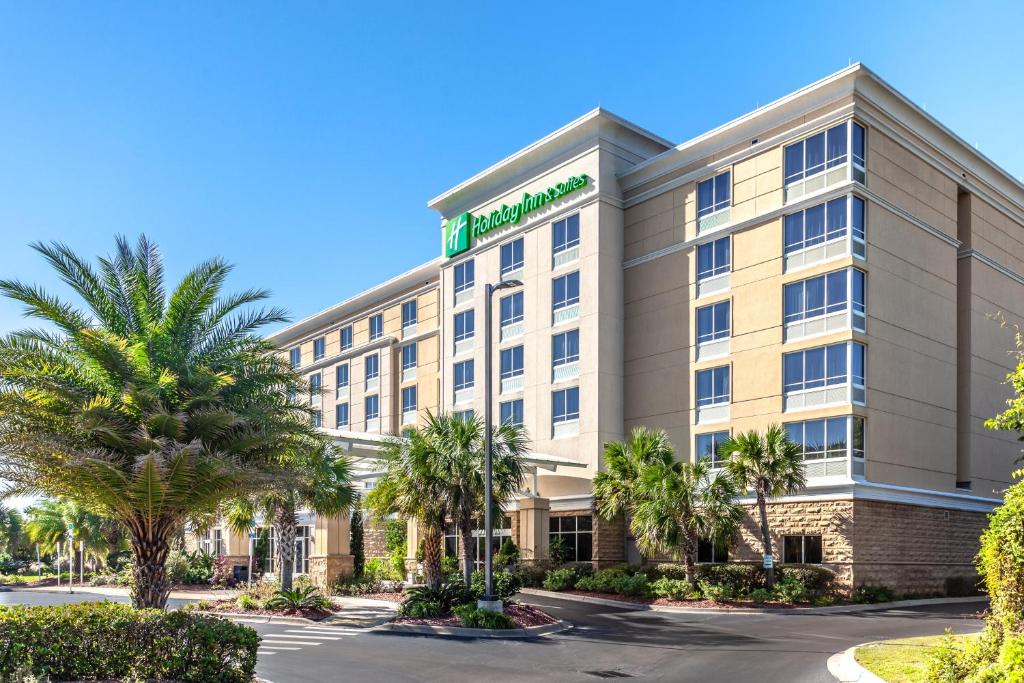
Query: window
(318,348)
(408,356)
(511,257)
(372,404)
(565,405)
(511,412)
(212,543)
(511,309)
(707,448)
(464,415)
(464,375)
(565,234)
(372,366)
(315,382)
(565,291)
(823,366)
(823,151)
(713,194)
(834,437)
(341,376)
(346,338)
(713,258)
(296,357)
(464,276)
(825,294)
(801,549)
(857,217)
(409,313)
(464,325)
(512,362)
(576,534)
(565,348)
(711,553)
(409,399)
(822,223)
(713,322)
(376,326)
(318,419)
(341,415)
(713,386)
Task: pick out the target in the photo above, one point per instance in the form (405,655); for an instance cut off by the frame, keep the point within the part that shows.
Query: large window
(409,313)
(372,363)
(464,375)
(565,348)
(315,384)
(341,376)
(346,338)
(713,258)
(707,448)
(824,223)
(713,386)
(409,356)
(829,293)
(565,234)
(511,309)
(341,416)
(713,322)
(511,412)
(465,324)
(804,549)
(565,291)
(511,257)
(511,362)
(713,194)
(823,151)
(464,415)
(319,347)
(565,405)
(833,437)
(372,404)
(712,553)
(823,366)
(376,326)
(464,276)
(296,357)
(409,399)
(576,534)
(318,419)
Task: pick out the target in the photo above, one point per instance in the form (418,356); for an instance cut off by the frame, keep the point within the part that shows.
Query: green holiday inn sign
(460,231)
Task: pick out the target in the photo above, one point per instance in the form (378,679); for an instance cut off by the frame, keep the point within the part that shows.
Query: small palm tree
(671,505)
(313,477)
(48,522)
(768,464)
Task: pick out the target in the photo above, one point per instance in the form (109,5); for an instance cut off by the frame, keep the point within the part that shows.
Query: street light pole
(488,602)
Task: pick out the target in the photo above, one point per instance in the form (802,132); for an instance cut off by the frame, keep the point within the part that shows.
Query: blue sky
(302,140)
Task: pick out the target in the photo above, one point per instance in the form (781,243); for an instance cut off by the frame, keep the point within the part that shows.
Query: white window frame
(717,462)
(513,266)
(345,337)
(337,406)
(376,326)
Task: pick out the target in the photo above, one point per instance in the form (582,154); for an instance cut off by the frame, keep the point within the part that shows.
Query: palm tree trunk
(150,587)
(432,543)
(468,549)
(766,537)
(285,523)
(690,559)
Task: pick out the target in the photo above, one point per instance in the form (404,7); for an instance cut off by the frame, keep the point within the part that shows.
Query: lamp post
(488,602)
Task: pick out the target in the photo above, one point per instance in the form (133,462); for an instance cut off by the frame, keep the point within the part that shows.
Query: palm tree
(147,407)
(412,485)
(48,523)
(12,529)
(314,478)
(768,464)
(671,505)
(459,447)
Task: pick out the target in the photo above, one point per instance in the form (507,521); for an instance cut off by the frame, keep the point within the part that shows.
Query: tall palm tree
(671,505)
(48,522)
(459,447)
(412,485)
(768,464)
(145,406)
(12,529)
(314,478)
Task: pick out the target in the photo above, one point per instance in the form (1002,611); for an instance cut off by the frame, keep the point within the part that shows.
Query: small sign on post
(71,557)
(768,562)
(252,541)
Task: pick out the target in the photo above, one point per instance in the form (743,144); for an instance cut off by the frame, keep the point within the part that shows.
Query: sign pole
(71,557)
(81,562)
(248,572)
(58,564)
(39,562)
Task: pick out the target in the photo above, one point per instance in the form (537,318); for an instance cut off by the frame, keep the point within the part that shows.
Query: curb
(844,667)
(263,618)
(462,632)
(837,609)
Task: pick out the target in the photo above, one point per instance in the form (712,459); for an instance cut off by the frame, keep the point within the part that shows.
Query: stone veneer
(324,571)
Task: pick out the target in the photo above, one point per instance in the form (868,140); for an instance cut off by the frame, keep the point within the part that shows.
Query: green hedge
(100,640)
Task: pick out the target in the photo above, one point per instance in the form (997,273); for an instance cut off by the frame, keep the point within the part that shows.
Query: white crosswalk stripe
(295,639)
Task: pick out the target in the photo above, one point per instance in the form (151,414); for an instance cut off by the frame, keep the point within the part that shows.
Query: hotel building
(836,261)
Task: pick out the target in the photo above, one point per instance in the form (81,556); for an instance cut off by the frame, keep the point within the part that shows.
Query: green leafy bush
(103,640)
(422,609)
(505,585)
(635,585)
(471,617)
(739,578)
(424,601)
(956,661)
(716,592)
(867,594)
(450,568)
(558,551)
(380,569)
(792,591)
(760,595)
(532,575)
(247,603)
(672,589)
(299,598)
(561,579)
(667,570)
(816,579)
(508,554)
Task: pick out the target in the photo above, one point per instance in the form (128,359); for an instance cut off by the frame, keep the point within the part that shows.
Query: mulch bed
(523,615)
(698,604)
(390,597)
(232,607)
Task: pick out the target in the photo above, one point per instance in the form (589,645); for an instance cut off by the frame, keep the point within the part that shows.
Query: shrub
(562,579)
(422,609)
(437,601)
(667,570)
(177,566)
(223,574)
(187,568)
(818,580)
(868,594)
(471,617)
(247,603)
(792,591)
(508,554)
(956,661)
(380,569)
(716,592)
(558,551)
(450,568)
(760,595)
(672,589)
(531,575)
(505,585)
(356,542)
(299,598)
(635,585)
(103,640)
(740,578)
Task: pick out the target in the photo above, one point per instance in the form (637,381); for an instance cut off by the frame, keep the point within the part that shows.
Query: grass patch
(904,660)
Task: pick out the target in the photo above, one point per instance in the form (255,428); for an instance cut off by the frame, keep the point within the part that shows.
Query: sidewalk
(121,591)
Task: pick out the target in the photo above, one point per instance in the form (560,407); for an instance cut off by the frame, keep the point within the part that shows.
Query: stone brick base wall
(609,541)
(324,571)
(374,538)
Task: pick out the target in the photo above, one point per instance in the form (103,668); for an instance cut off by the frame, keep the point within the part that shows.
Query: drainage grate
(609,673)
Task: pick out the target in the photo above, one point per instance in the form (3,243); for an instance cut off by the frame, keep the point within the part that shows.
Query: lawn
(899,661)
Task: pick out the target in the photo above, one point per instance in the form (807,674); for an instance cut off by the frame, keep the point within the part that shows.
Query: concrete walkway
(122,592)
